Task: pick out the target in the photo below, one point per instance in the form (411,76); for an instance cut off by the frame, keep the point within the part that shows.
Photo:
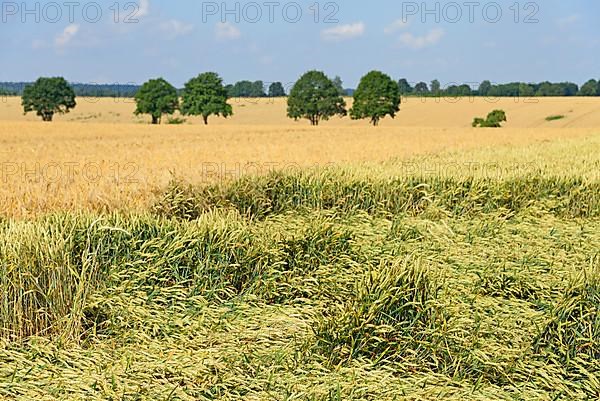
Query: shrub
(493,120)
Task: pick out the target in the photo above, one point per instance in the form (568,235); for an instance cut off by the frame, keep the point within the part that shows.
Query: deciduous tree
(316,98)
(156,97)
(377,96)
(204,96)
(48,96)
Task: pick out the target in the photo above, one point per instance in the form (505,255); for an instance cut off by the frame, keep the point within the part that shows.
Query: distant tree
(569,88)
(484,88)
(276,90)
(339,84)
(451,90)
(247,89)
(48,96)
(421,88)
(544,89)
(465,90)
(590,88)
(156,97)
(493,120)
(404,86)
(462,90)
(557,89)
(435,87)
(258,89)
(204,96)
(377,96)
(526,90)
(316,98)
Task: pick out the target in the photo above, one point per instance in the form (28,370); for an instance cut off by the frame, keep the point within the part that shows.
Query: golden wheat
(109,161)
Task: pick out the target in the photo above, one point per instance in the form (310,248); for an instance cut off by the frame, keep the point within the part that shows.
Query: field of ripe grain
(262,259)
(101,157)
(579,112)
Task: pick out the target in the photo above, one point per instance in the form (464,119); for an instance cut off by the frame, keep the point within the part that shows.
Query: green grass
(316,285)
(554,118)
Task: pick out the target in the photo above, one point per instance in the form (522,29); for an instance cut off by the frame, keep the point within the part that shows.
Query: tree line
(513,89)
(314,96)
(258,89)
(83,90)
(241,89)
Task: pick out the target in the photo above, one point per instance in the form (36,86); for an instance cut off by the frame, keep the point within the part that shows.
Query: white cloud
(344,32)
(143,8)
(174,28)
(570,20)
(66,36)
(419,42)
(395,26)
(227,31)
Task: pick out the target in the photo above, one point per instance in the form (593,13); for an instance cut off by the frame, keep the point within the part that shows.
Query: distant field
(579,112)
(102,157)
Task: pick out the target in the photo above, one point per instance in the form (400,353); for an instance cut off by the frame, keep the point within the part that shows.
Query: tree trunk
(155,120)
(47,117)
(205,118)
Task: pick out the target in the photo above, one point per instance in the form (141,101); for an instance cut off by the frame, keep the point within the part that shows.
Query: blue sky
(552,40)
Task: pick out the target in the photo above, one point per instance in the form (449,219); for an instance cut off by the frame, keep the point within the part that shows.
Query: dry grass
(110,162)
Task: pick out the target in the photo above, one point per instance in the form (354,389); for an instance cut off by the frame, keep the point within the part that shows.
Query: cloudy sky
(455,42)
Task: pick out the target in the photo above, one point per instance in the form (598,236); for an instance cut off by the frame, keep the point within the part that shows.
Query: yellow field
(101,156)
(415,112)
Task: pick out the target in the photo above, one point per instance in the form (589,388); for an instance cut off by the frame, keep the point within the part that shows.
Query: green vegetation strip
(342,191)
(554,118)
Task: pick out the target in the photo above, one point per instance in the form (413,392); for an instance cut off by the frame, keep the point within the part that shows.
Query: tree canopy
(156,97)
(484,88)
(204,96)
(404,86)
(590,88)
(315,97)
(276,90)
(48,96)
(339,84)
(377,96)
(421,88)
(247,89)
(435,87)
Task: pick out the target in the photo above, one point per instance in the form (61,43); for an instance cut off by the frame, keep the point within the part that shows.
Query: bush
(176,121)
(493,120)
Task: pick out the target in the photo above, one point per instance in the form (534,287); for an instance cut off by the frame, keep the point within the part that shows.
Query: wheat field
(259,258)
(102,157)
(445,112)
